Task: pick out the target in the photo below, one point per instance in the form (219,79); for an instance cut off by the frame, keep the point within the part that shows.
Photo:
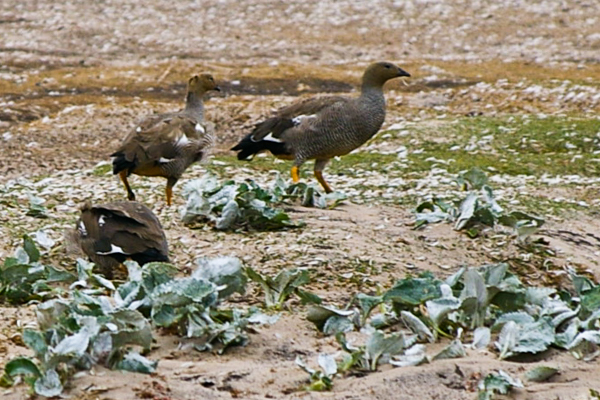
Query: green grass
(514,146)
(511,145)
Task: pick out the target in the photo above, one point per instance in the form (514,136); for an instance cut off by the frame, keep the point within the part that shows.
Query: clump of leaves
(78,332)
(287,282)
(486,300)
(90,327)
(231,206)
(24,278)
(377,347)
(320,380)
(479,209)
(497,383)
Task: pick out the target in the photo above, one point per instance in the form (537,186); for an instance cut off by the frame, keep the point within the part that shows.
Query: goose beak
(402,72)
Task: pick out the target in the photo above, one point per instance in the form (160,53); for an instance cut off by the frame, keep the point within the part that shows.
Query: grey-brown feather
(337,124)
(324,127)
(130,226)
(158,138)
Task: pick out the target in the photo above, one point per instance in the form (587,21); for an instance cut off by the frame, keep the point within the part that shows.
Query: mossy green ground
(513,146)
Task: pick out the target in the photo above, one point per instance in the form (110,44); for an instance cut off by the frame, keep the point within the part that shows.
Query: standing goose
(166,144)
(111,233)
(322,128)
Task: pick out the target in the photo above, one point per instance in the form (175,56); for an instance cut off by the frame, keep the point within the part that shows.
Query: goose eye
(387,66)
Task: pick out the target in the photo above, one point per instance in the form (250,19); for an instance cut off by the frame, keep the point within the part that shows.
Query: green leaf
(229,216)
(31,249)
(454,350)
(327,364)
(411,357)
(540,374)
(184,291)
(474,297)
(35,341)
(520,317)
(130,328)
(336,324)
(49,385)
(417,326)
(525,338)
(75,345)
(524,224)
(235,206)
(413,291)
(165,315)
(438,211)
(222,271)
(590,299)
(481,338)
(466,211)
(475,178)
(585,345)
(135,362)
(320,315)
(308,297)
(500,383)
(379,344)
(438,309)
(367,304)
(278,289)
(20,366)
(154,274)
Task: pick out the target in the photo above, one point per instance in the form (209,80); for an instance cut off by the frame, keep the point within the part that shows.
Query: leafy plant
(497,383)
(231,206)
(478,209)
(90,327)
(378,345)
(24,278)
(320,380)
(278,289)
(486,300)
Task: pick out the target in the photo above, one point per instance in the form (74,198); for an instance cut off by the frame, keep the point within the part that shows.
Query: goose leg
(130,194)
(295,173)
(319,166)
(169,189)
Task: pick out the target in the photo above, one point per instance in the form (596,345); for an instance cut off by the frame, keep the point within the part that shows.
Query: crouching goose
(167,144)
(111,233)
(322,128)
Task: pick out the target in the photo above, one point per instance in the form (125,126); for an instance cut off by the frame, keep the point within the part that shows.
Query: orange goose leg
(123,176)
(169,190)
(319,166)
(295,174)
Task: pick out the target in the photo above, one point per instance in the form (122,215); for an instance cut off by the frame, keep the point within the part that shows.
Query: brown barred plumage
(167,144)
(325,127)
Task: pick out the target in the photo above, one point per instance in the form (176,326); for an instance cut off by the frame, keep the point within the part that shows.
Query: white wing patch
(113,249)
(101,220)
(270,138)
(163,160)
(138,129)
(199,128)
(297,120)
(82,229)
(183,141)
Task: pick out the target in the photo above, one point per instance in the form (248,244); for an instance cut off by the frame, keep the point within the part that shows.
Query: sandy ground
(75,76)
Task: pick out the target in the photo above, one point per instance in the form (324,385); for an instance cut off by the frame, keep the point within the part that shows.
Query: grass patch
(511,145)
